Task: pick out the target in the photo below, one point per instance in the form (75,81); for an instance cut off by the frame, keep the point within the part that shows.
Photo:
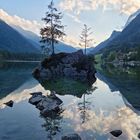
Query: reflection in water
(101,120)
(97,120)
(64,86)
(126,80)
(85,105)
(53,124)
(13,75)
(22,93)
(102,123)
(92,112)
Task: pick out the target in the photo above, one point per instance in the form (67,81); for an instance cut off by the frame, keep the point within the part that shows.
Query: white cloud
(23,93)
(123,6)
(75,18)
(33,26)
(71,41)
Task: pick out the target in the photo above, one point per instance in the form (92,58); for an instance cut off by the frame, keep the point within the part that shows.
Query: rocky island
(70,65)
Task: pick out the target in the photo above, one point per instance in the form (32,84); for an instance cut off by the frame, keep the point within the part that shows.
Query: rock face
(71,65)
(35,99)
(71,137)
(116,133)
(46,104)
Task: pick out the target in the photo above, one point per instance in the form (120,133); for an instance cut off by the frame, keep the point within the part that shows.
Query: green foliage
(122,52)
(65,86)
(5,55)
(138,54)
(91,58)
(112,56)
(53,60)
(98,58)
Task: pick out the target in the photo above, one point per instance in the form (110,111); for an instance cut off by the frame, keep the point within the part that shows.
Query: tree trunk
(85,45)
(85,50)
(53,52)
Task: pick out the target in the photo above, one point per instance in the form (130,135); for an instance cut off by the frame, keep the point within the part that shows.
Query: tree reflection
(53,123)
(68,86)
(85,105)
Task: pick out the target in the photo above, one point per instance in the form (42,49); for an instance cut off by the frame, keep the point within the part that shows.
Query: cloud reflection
(104,122)
(23,92)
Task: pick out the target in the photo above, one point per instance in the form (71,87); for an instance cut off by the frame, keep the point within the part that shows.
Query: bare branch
(85,37)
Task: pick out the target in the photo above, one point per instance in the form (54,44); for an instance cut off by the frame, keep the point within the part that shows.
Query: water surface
(92,112)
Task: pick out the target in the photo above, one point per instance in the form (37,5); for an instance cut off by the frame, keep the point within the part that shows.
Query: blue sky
(103,16)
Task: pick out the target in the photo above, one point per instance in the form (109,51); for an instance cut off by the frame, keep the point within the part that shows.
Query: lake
(111,103)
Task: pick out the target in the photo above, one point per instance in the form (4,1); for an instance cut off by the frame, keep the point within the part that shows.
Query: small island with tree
(76,65)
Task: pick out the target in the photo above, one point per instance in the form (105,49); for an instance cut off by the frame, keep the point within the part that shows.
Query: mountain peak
(114,34)
(132,17)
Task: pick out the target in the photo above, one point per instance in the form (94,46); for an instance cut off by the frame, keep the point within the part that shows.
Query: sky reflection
(93,116)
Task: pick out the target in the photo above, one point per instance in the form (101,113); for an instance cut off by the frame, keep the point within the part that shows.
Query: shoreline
(18,61)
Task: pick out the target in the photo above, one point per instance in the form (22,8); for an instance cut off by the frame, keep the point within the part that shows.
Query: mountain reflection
(23,92)
(123,79)
(13,75)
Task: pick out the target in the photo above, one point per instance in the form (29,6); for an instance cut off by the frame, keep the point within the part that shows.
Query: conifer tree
(53,29)
(85,38)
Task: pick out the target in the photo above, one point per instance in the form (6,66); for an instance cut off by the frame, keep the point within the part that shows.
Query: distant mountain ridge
(19,44)
(103,44)
(35,39)
(32,37)
(128,37)
(130,34)
(12,41)
(132,17)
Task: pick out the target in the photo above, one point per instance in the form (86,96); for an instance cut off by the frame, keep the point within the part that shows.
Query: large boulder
(48,105)
(45,73)
(35,99)
(70,72)
(71,137)
(71,65)
(73,57)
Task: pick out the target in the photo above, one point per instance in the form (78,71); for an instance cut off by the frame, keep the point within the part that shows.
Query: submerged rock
(10,103)
(47,105)
(71,137)
(35,99)
(36,93)
(116,133)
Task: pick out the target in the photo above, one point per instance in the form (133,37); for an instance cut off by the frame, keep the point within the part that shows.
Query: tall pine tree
(85,38)
(53,29)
